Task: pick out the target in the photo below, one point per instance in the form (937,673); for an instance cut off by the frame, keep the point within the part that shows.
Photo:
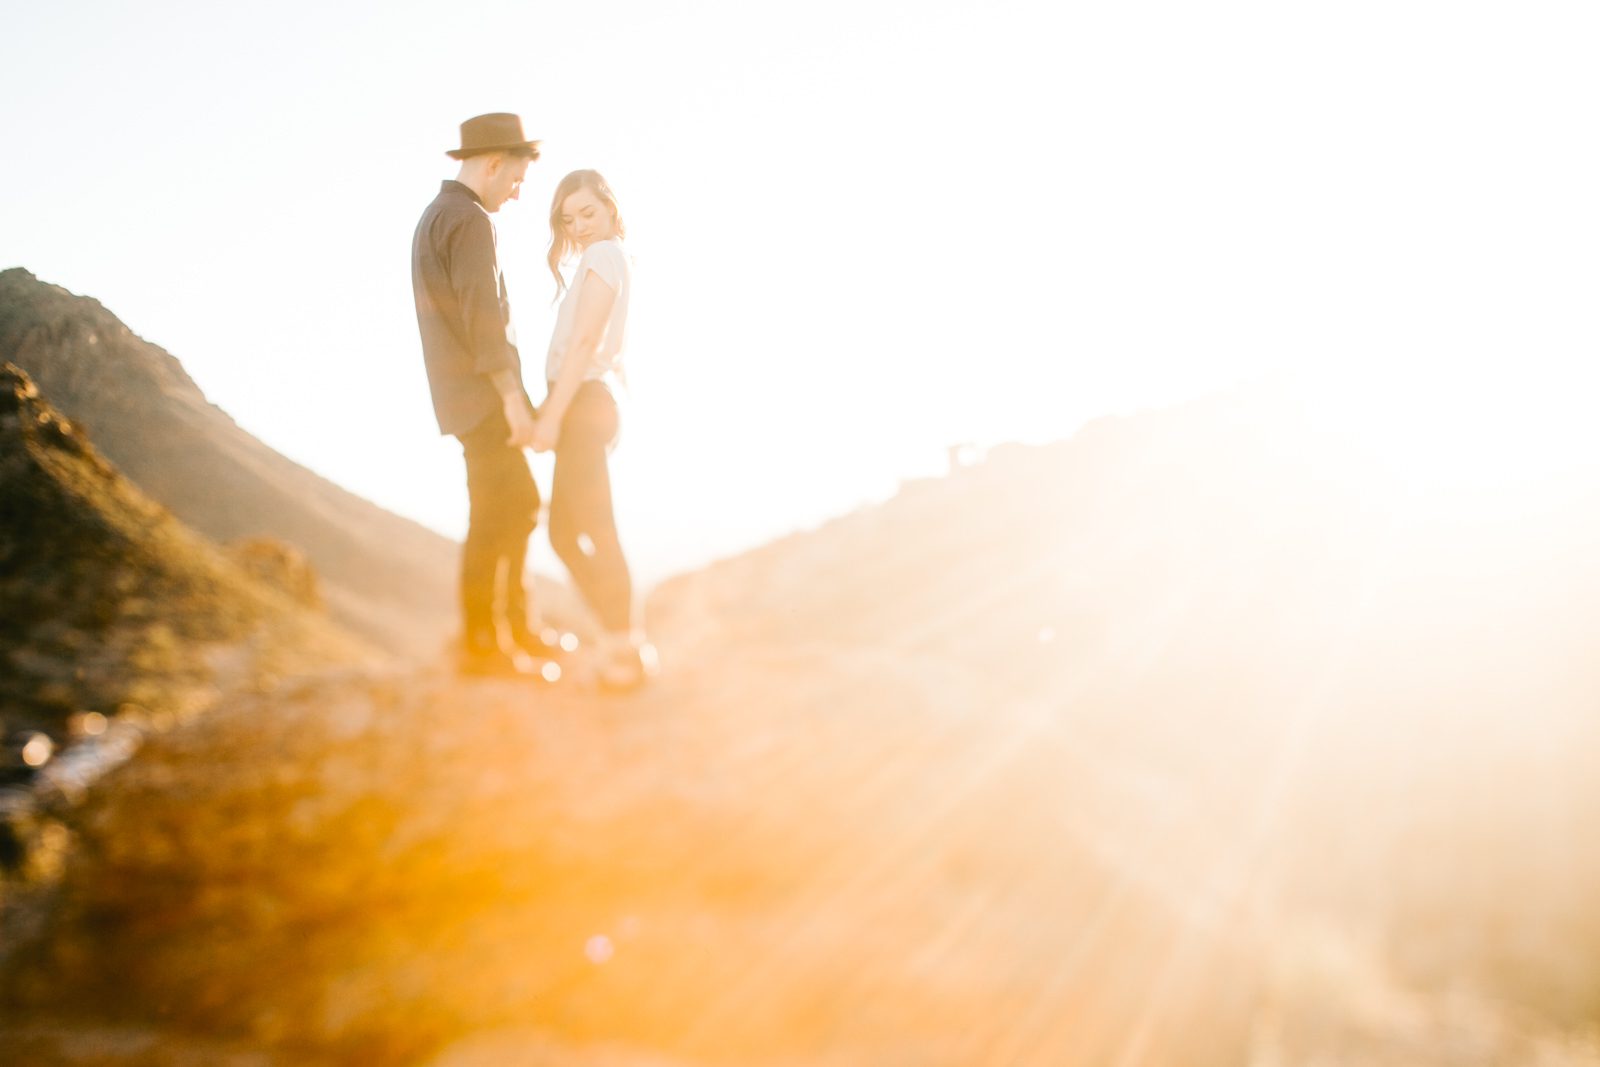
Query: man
(475,375)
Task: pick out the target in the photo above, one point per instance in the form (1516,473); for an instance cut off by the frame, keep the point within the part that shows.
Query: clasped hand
(546,432)
(531,429)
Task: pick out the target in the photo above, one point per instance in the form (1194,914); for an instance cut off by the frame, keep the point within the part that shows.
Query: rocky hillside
(1198,739)
(386,578)
(1286,676)
(109,605)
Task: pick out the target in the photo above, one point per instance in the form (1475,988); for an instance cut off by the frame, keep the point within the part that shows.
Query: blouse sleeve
(605,259)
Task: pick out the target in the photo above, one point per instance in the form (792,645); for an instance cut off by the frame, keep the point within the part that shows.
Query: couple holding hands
(475,375)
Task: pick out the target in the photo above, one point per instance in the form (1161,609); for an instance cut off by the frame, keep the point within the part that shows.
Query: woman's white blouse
(610,262)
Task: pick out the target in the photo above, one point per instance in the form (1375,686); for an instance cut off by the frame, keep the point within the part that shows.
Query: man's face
(505,181)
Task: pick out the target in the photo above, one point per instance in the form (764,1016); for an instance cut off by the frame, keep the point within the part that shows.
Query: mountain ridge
(109,602)
(386,577)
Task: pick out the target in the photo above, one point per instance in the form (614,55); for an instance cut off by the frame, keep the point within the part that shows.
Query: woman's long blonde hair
(561,245)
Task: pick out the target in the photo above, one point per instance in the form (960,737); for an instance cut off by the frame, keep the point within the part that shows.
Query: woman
(578,418)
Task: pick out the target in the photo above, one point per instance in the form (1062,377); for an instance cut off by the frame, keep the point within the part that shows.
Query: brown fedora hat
(497,132)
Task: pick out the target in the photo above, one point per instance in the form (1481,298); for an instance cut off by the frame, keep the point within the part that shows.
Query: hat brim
(483,150)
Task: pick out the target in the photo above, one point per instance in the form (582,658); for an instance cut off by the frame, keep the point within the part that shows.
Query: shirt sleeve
(477,287)
(605,259)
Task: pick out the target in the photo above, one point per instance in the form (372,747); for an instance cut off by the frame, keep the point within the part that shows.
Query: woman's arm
(588,324)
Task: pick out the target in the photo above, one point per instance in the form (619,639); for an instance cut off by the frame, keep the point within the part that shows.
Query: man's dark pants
(503,510)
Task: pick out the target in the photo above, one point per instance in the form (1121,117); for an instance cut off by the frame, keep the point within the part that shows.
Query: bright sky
(862,230)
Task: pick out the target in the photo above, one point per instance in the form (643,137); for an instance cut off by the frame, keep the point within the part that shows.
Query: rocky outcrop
(385,577)
(279,566)
(109,605)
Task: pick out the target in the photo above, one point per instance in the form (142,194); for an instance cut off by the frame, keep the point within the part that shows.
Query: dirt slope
(1194,740)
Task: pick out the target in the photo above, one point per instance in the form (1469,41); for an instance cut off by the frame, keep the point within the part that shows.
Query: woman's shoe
(625,665)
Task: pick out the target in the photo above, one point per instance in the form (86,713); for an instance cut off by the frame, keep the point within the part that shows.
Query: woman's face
(587,219)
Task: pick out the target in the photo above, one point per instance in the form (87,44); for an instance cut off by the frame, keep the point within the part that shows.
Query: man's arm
(477,288)
(476,284)
(519,416)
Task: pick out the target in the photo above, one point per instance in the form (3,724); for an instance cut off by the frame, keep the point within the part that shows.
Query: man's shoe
(548,643)
(490,661)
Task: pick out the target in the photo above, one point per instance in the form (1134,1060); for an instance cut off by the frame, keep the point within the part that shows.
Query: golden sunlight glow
(1214,725)
(90,724)
(1443,430)
(37,750)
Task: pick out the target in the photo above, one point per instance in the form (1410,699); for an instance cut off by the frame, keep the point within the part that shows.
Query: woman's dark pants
(583,528)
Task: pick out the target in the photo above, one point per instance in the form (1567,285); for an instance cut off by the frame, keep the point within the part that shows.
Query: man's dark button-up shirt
(462,308)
